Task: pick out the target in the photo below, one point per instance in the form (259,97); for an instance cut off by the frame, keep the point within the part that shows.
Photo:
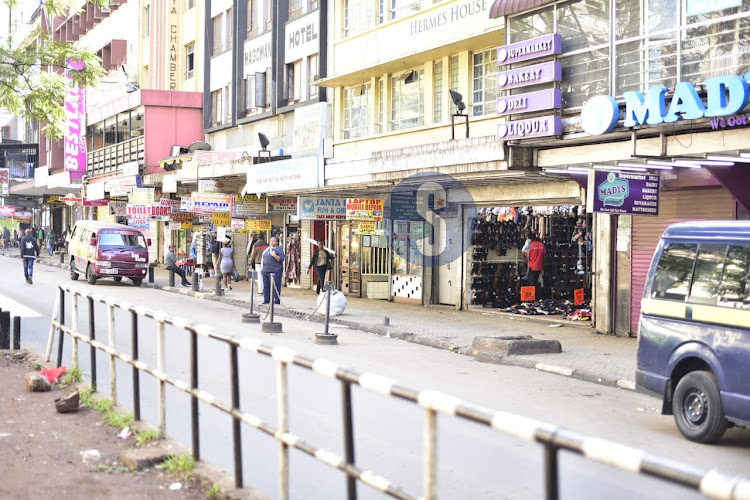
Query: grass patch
(37,367)
(86,397)
(181,466)
(147,436)
(109,469)
(73,376)
(213,491)
(116,419)
(112,417)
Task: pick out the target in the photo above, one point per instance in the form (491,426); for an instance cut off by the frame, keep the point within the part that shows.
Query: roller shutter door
(674,206)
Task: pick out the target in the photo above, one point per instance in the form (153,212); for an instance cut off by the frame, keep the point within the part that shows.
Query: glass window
(216,107)
(228,100)
(628,19)
(123,126)
(583,24)
(484,82)
(189,60)
(674,271)
(146,22)
(663,15)
(407,100)
(707,275)
(312,75)
(381,105)
(229,26)
(437,92)
(585,75)
(293,83)
(359,16)
(407,247)
(735,284)
(121,239)
(218,45)
(190,4)
(357,111)
(527,26)
(252,19)
(138,122)
(268,14)
(642,64)
(715,49)
(296,9)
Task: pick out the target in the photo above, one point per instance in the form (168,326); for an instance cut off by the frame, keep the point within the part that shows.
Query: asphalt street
(474,462)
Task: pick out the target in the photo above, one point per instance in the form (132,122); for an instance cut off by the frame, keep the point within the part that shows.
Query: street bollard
(16,333)
(325,337)
(195,281)
(218,284)
(62,257)
(271,326)
(171,277)
(251,317)
(4,329)
(151,275)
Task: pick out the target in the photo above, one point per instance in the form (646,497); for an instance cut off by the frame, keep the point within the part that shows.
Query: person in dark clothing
(215,257)
(536,253)
(29,253)
(256,258)
(273,265)
(322,261)
(170,261)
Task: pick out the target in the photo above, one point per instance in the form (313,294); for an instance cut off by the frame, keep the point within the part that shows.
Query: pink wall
(169,126)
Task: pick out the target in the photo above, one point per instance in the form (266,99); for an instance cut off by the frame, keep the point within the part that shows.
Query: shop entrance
(348,259)
(447,235)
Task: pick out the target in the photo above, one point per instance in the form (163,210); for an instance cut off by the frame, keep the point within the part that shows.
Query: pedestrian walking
(6,237)
(214,250)
(51,238)
(321,260)
(40,236)
(170,260)
(256,258)
(535,255)
(226,265)
(273,266)
(29,253)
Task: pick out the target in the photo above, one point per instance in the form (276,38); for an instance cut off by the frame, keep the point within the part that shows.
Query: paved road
(475,463)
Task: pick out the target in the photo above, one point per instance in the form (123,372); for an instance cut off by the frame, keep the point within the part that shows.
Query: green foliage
(86,397)
(213,491)
(181,466)
(147,436)
(33,83)
(37,367)
(114,418)
(72,377)
(109,469)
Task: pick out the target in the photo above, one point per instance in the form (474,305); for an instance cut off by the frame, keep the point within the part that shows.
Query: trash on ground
(555,325)
(175,486)
(53,374)
(91,456)
(125,433)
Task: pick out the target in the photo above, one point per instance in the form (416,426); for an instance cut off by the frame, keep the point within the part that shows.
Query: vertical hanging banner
(4,181)
(75,136)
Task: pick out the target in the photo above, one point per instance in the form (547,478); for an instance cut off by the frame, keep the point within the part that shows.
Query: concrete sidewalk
(585,355)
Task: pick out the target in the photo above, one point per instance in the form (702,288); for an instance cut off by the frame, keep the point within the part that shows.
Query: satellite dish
(199,146)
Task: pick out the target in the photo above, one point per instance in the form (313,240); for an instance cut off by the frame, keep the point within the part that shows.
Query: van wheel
(73,272)
(697,408)
(90,276)
(137,281)
(118,279)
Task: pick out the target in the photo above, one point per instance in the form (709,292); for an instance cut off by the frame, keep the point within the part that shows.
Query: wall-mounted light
(458,101)
(613,168)
(642,165)
(264,142)
(656,163)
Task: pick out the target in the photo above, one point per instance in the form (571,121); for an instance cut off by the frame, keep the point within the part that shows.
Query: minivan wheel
(697,408)
(137,281)
(90,276)
(73,272)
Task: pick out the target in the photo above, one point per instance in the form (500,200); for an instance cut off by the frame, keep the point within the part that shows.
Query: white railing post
(283,418)
(51,336)
(74,320)
(161,367)
(430,454)
(112,364)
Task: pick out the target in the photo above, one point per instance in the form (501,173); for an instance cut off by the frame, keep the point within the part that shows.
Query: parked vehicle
(107,250)
(694,333)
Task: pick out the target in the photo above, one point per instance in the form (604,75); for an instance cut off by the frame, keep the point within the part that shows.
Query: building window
(312,75)
(252,19)
(217,107)
(357,111)
(407,100)
(189,60)
(296,9)
(218,46)
(359,16)
(228,102)
(437,92)
(230,27)
(190,4)
(267,14)
(313,4)
(381,105)
(484,82)
(146,22)
(293,82)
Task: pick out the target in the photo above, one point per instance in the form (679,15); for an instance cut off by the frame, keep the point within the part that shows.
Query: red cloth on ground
(536,254)
(53,374)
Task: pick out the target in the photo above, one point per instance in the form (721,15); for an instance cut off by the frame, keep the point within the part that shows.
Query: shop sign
(579,296)
(139,223)
(41,176)
(320,208)
(7,211)
(364,208)
(249,204)
(210,186)
(282,205)
(95,203)
(139,210)
(624,193)
(102,213)
(23,216)
(258,225)
(174,205)
(121,186)
(211,202)
(543,46)
(169,184)
(186,225)
(366,228)
(70,199)
(725,96)
(302,37)
(186,204)
(181,217)
(309,128)
(238,225)
(526,103)
(542,126)
(403,206)
(159,211)
(25,203)
(95,191)
(530,75)
(4,181)
(118,208)
(297,173)
(52,199)
(74,154)
(142,196)
(221,219)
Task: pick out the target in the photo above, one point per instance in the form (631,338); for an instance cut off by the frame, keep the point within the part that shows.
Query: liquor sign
(211,202)
(282,205)
(322,208)
(543,46)
(530,75)
(249,204)
(364,209)
(75,136)
(527,103)
(625,193)
(542,126)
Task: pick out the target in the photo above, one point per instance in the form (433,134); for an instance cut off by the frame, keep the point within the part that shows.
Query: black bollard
(218,284)
(271,326)
(151,275)
(4,329)
(195,281)
(62,257)
(171,277)
(16,333)
(251,317)
(325,337)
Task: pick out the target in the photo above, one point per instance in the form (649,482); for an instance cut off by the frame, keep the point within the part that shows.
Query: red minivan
(107,250)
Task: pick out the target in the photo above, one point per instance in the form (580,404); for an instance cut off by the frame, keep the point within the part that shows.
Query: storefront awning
(502,8)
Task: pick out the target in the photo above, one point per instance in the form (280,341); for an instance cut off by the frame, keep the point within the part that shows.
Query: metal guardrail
(109,159)
(712,483)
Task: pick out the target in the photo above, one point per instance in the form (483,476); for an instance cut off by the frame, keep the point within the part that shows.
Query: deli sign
(725,96)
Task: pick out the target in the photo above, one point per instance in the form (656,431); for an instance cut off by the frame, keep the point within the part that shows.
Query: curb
(414,338)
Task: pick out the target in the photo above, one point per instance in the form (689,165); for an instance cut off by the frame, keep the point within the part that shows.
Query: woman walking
(322,261)
(226,264)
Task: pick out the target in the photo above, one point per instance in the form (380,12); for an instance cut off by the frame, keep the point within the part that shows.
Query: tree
(34,78)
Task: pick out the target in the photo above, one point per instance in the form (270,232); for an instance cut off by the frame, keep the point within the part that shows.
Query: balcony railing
(110,159)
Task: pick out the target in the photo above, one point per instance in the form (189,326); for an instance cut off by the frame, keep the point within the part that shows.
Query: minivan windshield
(128,239)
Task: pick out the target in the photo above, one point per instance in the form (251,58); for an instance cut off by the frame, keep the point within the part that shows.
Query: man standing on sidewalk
(536,254)
(273,265)
(29,252)
(170,260)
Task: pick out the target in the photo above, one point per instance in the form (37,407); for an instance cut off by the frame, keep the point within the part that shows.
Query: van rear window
(121,239)
(735,285)
(674,272)
(707,276)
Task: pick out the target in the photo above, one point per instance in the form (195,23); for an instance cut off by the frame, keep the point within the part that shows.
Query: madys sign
(725,96)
